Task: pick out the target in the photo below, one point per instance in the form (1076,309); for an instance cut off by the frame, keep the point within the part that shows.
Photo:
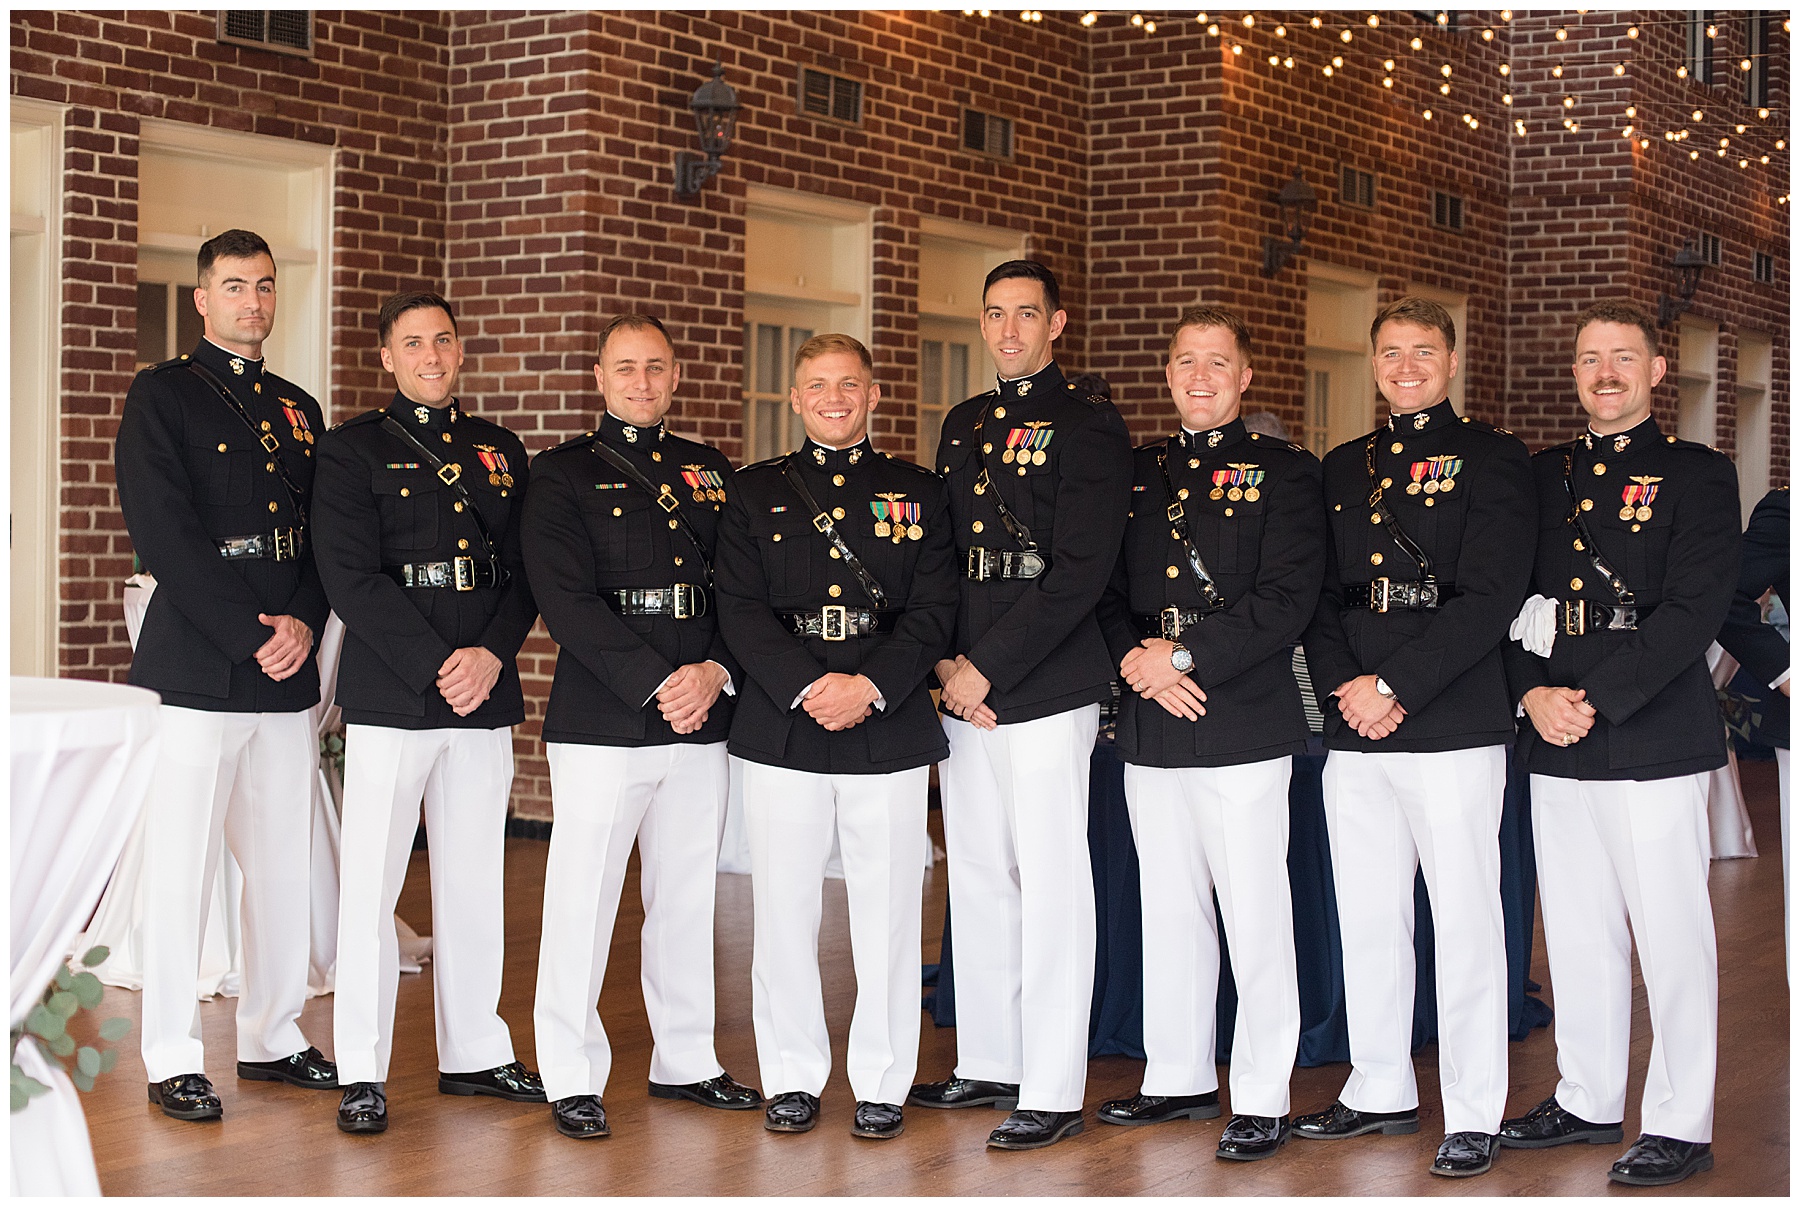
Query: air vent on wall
(986,134)
(283,31)
(1356,187)
(830,96)
(1709,248)
(1763,268)
(1447,211)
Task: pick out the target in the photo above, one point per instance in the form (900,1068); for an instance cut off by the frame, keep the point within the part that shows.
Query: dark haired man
(1218,575)
(1039,475)
(619,528)
(1637,557)
(419,549)
(214,461)
(1431,519)
(837,594)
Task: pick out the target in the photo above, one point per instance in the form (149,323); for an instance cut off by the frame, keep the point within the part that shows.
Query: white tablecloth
(82,754)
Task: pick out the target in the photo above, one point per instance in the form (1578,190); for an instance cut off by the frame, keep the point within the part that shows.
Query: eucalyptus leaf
(88,990)
(96,955)
(108,1059)
(82,1081)
(64,1003)
(115,1029)
(64,978)
(43,1022)
(87,1060)
(63,1045)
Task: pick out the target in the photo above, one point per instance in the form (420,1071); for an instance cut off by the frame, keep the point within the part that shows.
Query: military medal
(1251,494)
(297,419)
(1220,478)
(1037,439)
(499,473)
(1417,471)
(915,533)
(1193,463)
(1242,479)
(1638,498)
(704,482)
(882,511)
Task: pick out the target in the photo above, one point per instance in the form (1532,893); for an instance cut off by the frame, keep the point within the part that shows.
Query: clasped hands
(686,697)
(1561,715)
(965,691)
(284,653)
(1151,674)
(1366,710)
(838,701)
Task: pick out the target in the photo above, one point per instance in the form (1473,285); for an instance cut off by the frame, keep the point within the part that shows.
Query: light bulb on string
(1212,31)
(1644,144)
(1417,43)
(1699,115)
(1743,163)
(1088,18)
(1327,69)
(1741,127)
(1681,72)
(1281,31)
(1443,19)
(1387,64)
(1628,131)
(1781,144)
(1506,69)
(1427,115)
(1743,64)
(1316,22)
(1618,69)
(1765,159)
(1693,155)
(1344,36)
(1568,102)
(1763,114)
(1236,48)
(1374,21)
(1445,71)
(1149,27)
(1337,60)
(1632,32)
(1562,35)
(1444,88)
(1249,20)
(1288,62)
(1506,15)
(1487,35)
(1387,81)
(1556,71)
(1631,111)
(1506,98)
(1518,128)
(1274,60)
(1712,31)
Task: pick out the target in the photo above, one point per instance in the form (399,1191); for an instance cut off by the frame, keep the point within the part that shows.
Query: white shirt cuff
(730,688)
(1783,677)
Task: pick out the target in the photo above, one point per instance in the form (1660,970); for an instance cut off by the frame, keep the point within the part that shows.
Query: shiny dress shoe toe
(1339,1122)
(1140,1109)
(1660,1161)
(187,1096)
(580,1117)
(309,1070)
(1253,1137)
(513,1081)
(877,1121)
(962,1091)
(721,1093)
(1035,1129)
(1465,1154)
(1547,1125)
(364,1108)
(794,1111)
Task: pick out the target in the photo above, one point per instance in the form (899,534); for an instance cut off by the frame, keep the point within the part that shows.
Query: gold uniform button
(834,590)
(1388,482)
(834,553)
(1395,447)
(404,491)
(1374,517)
(446,437)
(999,412)
(1574,584)
(655,456)
(837,513)
(673,524)
(462,543)
(618,511)
(677,561)
(1431,502)
(1337,507)
(777,536)
(1021,471)
(1587,505)
(1172,572)
(266,425)
(976,525)
(221,446)
(1228,511)
(837,479)
(1599,468)
(269,467)
(457,507)
(987,448)
(1636,527)
(271,506)
(1182,493)
(1374,559)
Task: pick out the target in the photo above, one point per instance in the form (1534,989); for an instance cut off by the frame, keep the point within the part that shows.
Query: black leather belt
(983,564)
(683,601)
(282,545)
(1170,622)
(1575,617)
(837,623)
(1386,595)
(459,574)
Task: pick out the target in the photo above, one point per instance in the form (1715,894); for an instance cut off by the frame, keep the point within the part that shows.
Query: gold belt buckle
(978,564)
(1574,618)
(1382,596)
(284,544)
(834,622)
(682,601)
(464,570)
(1171,622)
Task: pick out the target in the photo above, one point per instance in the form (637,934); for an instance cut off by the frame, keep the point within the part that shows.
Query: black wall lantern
(1297,201)
(1688,264)
(715,109)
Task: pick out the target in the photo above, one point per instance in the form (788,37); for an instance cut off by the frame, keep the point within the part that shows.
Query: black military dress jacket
(381,505)
(1036,639)
(1477,527)
(1763,651)
(1252,506)
(590,531)
(1677,551)
(773,561)
(192,474)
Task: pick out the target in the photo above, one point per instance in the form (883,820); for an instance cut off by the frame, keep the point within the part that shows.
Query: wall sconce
(1297,201)
(1688,264)
(715,109)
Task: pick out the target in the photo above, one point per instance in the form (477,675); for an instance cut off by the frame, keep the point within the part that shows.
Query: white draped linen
(1726,816)
(82,754)
(117,923)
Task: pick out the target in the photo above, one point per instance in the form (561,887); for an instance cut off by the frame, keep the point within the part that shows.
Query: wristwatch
(1382,689)
(1181,658)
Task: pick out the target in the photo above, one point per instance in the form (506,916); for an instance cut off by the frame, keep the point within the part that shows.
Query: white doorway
(1697,381)
(954,260)
(1340,386)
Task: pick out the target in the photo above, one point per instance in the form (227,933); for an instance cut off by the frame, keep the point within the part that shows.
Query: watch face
(1182,660)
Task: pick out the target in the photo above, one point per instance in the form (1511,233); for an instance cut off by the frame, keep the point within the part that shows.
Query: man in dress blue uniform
(214,463)
(419,549)
(1431,518)
(619,531)
(1636,562)
(1217,579)
(1039,476)
(837,594)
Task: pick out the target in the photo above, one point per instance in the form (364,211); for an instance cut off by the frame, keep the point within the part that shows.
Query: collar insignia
(1420,420)
(1214,439)
(1619,443)
(422,414)
(237,365)
(819,456)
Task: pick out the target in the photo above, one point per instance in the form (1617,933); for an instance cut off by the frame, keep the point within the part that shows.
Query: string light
(1562,35)
(1568,102)
(1327,69)
(1699,115)
(1344,36)
(1417,43)
(1374,21)
(1387,81)
(1149,27)
(1743,64)
(1274,60)
(1506,98)
(1618,69)
(1249,20)
(1681,72)
(1444,88)
(1337,60)
(1236,49)
(1137,18)
(1281,31)
(1445,70)
(1487,35)
(1632,32)
(1288,62)
(1518,128)
(1316,22)
(1089,18)
(1427,115)
(1506,15)
(1387,64)
(1506,69)
(1212,31)
(1763,113)
(1631,111)
(1556,71)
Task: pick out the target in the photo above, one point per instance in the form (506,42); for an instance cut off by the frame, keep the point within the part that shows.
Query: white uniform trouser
(1390,815)
(1022,902)
(880,823)
(464,777)
(1609,852)
(1201,829)
(670,799)
(245,778)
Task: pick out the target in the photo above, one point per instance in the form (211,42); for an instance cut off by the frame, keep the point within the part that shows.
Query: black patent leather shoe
(961,1091)
(877,1121)
(1660,1160)
(1035,1129)
(364,1108)
(1140,1109)
(720,1093)
(1546,1125)
(514,1082)
(580,1117)
(1339,1122)
(1465,1154)
(1253,1137)
(309,1070)
(187,1096)
(794,1111)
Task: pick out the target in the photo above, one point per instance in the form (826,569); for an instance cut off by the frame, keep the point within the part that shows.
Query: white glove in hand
(1535,626)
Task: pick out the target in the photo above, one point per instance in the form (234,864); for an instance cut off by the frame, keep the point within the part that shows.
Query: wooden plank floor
(278,1140)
